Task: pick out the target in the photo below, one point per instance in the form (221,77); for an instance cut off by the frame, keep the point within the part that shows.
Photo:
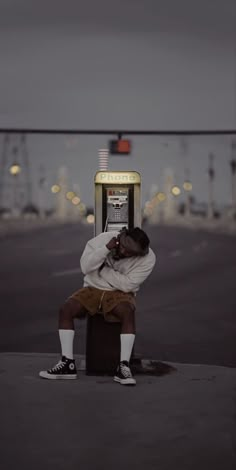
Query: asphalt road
(186,309)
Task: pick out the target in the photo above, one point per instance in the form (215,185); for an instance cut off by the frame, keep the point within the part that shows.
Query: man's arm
(95,253)
(129,282)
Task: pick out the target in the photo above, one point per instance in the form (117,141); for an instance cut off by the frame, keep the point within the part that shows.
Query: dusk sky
(131,64)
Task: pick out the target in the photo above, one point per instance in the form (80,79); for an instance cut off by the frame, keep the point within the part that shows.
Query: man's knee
(72,308)
(124,309)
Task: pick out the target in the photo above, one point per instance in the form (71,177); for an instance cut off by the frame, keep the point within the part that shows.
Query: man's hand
(113,243)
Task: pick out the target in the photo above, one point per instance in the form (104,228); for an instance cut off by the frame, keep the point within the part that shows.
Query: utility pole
(26,168)
(61,202)
(41,191)
(15,179)
(3,170)
(233,176)
(187,185)
(211,178)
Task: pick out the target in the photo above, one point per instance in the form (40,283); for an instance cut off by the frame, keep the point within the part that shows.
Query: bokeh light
(176,190)
(75,200)
(187,186)
(161,196)
(15,169)
(55,188)
(90,218)
(70,195)
(82,208)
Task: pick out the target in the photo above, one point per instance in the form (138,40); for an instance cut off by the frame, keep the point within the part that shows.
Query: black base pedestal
(102,346)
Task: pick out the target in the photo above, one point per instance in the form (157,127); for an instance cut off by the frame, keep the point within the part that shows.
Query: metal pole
(211,177)
(233,177)
(3,169)
(184,148)
(25,162)
(41,189)
(117,132)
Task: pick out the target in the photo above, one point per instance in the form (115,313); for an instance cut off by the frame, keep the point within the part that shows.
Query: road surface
(186,309)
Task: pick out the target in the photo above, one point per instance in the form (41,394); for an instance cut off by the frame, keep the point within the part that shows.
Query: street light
(75,200)
(15,169)
(70,195)
(55,188)
(175,190)
(161,196)
(187,186)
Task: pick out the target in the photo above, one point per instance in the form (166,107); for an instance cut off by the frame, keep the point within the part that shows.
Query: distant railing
(182,174)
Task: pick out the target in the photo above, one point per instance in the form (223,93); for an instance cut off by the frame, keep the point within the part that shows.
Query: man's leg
(68,312)
(125,312)
(65,368)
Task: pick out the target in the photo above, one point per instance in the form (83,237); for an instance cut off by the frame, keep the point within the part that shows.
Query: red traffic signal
(120,147)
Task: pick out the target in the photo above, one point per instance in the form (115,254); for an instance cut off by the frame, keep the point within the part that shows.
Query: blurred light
(176,190)
(187,186)
(75,200)
(148,204)
(15,169)
(90,219)
(82,208)
(147,211)
(161,197)
(55,188)
(70,195)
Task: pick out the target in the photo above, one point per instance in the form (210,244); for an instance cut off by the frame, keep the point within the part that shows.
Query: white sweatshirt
(125,274)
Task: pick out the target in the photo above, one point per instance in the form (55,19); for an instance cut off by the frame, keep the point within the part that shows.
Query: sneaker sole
(57,377)
(125,381)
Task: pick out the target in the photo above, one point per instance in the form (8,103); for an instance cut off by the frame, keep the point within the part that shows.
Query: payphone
(117,200)
(117,205)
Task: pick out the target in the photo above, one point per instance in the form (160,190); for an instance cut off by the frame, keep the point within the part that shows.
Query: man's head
(133,242)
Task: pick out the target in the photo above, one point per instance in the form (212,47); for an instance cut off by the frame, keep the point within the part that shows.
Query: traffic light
(120,147)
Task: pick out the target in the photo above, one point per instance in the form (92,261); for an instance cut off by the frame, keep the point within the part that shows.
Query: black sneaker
(64,369)
(124,375)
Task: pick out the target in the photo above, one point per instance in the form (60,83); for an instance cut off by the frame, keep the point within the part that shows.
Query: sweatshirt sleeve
(129,282)
(94,254)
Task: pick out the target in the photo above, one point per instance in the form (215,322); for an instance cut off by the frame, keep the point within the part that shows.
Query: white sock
(126,346)
(67,339)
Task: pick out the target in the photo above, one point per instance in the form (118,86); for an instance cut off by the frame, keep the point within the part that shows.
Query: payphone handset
(116,251)
(117,200)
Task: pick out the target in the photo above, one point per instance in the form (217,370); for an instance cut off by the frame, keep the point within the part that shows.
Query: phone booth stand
(117,205)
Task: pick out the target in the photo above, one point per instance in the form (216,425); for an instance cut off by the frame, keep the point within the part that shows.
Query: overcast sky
(127,64)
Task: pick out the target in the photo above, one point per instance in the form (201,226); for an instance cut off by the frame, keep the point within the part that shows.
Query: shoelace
(58,366)
(125,370)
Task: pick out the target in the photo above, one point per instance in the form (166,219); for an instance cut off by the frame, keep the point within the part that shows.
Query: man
(114,265)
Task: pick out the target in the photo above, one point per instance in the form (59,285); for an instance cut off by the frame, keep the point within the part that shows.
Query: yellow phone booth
(117,200)
(117,205)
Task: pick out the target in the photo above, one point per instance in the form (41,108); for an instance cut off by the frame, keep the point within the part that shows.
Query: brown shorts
(102,301)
